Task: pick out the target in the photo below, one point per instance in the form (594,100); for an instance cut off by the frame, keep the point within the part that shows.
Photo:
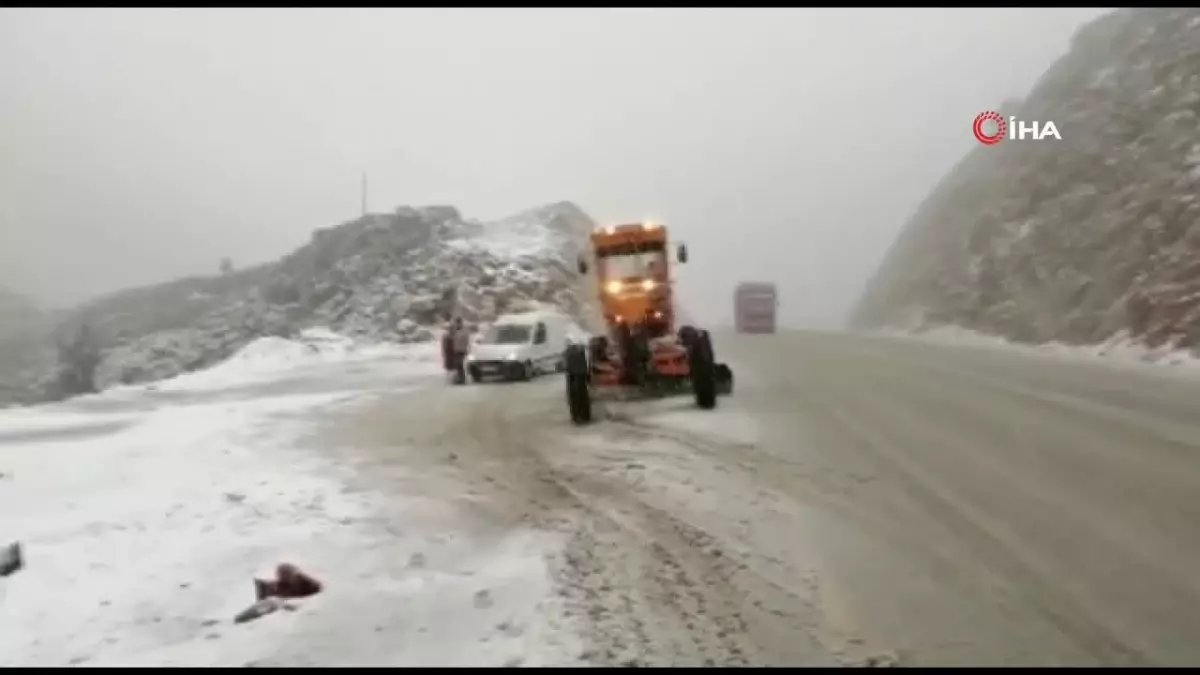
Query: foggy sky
(787,145)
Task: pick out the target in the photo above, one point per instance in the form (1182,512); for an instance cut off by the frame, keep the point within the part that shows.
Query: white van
(520,346)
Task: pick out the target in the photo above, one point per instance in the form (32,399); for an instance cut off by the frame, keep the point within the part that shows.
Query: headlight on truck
(648,284)
(613,287)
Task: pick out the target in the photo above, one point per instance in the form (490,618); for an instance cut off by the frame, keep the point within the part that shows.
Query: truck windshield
(649,263)
(509,334)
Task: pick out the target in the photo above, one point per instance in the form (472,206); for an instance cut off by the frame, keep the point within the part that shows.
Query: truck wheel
(579,396)
(527,372)
(475,375)
(703,372)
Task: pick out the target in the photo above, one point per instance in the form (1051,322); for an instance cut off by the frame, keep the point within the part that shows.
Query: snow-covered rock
(389,277)
(1078,241)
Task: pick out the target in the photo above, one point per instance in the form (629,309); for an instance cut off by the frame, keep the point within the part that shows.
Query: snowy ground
(1120,351)
(450,525)
(805,521)
(145,512)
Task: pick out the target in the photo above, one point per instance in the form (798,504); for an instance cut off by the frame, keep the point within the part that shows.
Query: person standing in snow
(448,346)
(459,342)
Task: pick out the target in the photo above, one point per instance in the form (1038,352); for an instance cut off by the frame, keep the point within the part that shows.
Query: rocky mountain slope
(391,276)
(1080,241)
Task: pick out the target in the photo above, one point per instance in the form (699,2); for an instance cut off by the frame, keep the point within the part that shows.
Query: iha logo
(990,128)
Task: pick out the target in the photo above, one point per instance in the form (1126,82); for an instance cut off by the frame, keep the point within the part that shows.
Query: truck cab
(633,271)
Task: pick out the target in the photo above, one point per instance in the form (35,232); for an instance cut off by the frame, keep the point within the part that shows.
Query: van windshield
(509,334)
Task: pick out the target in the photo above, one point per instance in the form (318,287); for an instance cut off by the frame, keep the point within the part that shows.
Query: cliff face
(390,276)
(1079,240)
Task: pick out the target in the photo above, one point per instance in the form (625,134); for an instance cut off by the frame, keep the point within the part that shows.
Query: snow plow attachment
(643,370)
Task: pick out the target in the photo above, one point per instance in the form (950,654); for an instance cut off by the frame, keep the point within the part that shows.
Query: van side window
(539,335)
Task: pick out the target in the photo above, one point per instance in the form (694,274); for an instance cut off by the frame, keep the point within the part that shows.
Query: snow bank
(1119,350)
(145,536)
(16,421)
(141,545)
(269,357)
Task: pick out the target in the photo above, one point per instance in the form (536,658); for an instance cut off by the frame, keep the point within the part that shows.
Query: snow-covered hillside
(384,277)
(1080,241)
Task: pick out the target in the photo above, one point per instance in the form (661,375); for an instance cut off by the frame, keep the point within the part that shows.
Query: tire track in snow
(646,582)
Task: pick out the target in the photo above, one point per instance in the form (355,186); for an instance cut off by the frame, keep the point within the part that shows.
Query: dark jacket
(460,338)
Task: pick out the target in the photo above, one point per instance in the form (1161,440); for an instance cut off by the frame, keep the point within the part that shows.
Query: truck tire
(579,395)
(703,371)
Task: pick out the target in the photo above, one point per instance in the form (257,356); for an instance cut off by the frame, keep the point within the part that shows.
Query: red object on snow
(289,582)
(11,560)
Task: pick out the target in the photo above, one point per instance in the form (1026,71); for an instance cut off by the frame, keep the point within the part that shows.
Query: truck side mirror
(582,264)
(681,253)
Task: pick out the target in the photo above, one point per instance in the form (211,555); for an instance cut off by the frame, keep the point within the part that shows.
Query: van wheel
(527,372)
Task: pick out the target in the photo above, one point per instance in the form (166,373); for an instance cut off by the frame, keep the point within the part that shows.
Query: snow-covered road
(669,555)
(988,505)
(450,525)
(1027,508)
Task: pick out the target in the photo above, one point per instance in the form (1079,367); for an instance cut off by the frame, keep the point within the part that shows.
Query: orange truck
(755,304)
(641,352)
